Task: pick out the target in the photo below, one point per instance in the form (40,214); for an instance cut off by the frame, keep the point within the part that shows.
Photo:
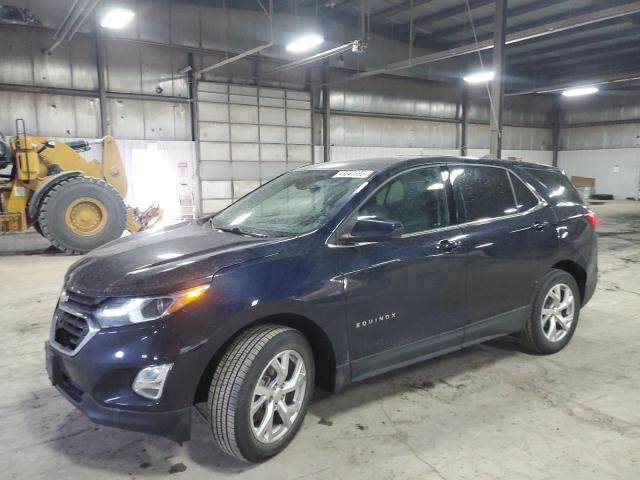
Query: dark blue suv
(327,275)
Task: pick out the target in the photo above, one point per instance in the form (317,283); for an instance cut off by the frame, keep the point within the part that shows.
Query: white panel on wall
(214,151)
(242,187)
(617,171)
(533,156)
(342,153)
(216,189)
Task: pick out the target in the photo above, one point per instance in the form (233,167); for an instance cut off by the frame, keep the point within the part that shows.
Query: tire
(232,392)
(539,335)
(55,206)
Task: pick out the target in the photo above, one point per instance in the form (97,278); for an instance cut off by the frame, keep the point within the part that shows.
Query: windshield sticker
(353,174)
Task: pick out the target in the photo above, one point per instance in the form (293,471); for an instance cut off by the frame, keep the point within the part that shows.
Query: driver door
(404,297)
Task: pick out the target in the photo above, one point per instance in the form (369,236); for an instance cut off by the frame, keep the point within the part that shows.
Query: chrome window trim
(541,204)
(93,329)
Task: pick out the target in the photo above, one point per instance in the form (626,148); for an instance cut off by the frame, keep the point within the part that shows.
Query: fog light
(149,382)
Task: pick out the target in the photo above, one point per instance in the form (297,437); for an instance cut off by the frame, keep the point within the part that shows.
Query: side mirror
(373,230)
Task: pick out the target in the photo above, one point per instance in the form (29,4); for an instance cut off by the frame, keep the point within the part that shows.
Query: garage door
(249,135)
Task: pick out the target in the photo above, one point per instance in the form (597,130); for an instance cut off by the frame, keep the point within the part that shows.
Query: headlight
(125,311)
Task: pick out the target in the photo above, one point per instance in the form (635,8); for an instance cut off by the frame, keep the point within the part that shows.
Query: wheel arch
(34,201)
(577,272)
(324,355)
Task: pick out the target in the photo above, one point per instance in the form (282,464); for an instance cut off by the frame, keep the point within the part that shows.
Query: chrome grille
(72,325)
(70,329)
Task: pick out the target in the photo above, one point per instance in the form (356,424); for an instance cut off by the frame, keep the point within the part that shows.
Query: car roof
(382,164)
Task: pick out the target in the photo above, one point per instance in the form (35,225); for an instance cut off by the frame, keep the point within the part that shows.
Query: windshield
(295,203)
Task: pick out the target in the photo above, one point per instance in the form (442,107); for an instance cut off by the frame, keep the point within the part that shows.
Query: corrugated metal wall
(249,135)
(131,68)
(600,139)
(380,115)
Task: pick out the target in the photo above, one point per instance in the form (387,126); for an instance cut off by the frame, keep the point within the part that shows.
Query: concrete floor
(489,412)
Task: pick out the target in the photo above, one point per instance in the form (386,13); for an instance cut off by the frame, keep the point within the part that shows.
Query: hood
(162,261)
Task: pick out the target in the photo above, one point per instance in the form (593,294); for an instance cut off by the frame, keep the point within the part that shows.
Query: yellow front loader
(76,204)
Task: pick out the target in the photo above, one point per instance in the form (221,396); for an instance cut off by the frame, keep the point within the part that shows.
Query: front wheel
(260,392)
(554,314)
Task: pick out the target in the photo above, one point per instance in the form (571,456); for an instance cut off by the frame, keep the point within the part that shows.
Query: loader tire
(79,214)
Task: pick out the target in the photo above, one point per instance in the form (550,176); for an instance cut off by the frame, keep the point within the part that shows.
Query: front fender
(34,201)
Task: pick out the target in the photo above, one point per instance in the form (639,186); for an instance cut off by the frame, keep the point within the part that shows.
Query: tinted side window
(416,198)
(559,186)
(525,200)
(486,191)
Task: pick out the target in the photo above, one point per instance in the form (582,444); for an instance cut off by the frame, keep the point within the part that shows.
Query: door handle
(448,245)
(539,226)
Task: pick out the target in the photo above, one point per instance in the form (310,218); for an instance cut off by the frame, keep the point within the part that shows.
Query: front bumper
(98,378)
(173,424)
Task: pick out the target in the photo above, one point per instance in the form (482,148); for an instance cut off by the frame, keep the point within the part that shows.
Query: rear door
(505,238)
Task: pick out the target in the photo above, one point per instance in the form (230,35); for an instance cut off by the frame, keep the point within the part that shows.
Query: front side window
(295,203)
(416,198)
(558,185)
(486,191)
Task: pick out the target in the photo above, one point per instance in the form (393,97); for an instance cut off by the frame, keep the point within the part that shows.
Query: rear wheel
(80,214)
(554,314)
(260,392)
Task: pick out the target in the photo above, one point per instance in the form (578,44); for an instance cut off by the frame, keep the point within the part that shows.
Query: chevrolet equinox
(326,275)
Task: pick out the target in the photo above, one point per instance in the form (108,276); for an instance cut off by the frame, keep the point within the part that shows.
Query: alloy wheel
(278,396)
(558,311)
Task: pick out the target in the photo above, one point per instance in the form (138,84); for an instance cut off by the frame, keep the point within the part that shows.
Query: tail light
(592,218)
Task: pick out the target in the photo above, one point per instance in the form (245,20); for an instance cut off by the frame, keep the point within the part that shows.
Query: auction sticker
(353,174)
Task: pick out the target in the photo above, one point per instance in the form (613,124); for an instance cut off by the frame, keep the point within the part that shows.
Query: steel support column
(556,133)
(464,123)
(497,85)
(192,80)
(326,111)
(102,84)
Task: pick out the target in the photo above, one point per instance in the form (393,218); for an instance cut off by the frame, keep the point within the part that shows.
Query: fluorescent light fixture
(579,91)
(117,18)
(479,77)
(305,43)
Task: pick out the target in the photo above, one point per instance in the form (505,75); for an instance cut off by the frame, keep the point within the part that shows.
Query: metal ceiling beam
(619,77)
(558,18)
(488,20)
(338,4)
(515,37)
(580,57)
(431,18)
(72,22)
(593,69)
(608,3)
(395,9)
(313,58)
(235,58)
(527,56)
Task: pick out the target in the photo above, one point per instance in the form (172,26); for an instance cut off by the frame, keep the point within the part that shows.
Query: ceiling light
(305,43)
(479,77)
(117,18)
(578,91)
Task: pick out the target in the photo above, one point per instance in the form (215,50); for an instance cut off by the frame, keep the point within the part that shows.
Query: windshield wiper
(239,231)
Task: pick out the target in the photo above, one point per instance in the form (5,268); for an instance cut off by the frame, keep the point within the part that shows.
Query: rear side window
(525,200)
(558,185)
(485,191)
